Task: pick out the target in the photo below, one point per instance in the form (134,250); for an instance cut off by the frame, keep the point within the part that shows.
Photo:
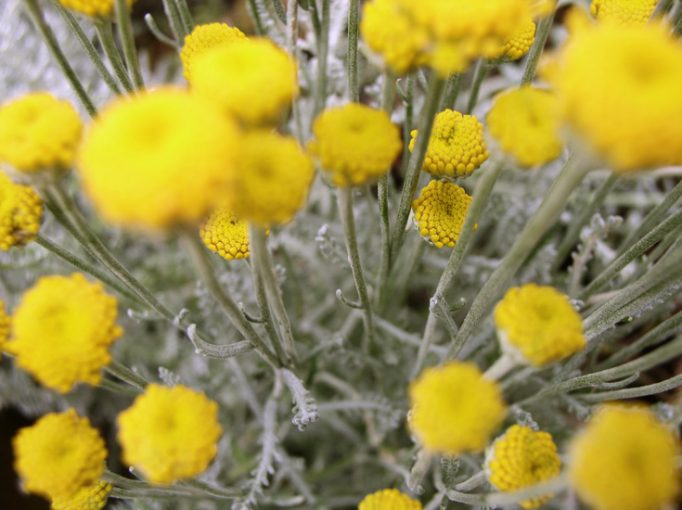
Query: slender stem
(640,391)
(322,58)
(125,33)
(452,88)
(408,124)
(253,8)
(126,375)
(185,16)
(480,72)
(353,83)
(279,10)
(48,36)
(106,39)
(500,368)
(171,11)
(160,36)
(541,34)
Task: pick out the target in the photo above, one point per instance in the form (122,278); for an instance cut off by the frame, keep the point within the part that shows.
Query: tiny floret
(204,38)
(169,434)
(21,211)
(39,132)
(623,12)
(625,459)
(455,409)
(521,40)
(439,212)
(93,497)
(62,330)
(226,235)
(456,147)
(92,8)
(59,455)
(538,325)
(355,144)
(389,499)
(521,458)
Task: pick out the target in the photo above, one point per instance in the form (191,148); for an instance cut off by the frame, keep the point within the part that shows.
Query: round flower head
(62,330)
(440,211)
(169,433)
(21,210)
(158,159)
(226,235)
(59,455)
(355,144)
(525,123)
(92,497)
(202,39)
(92,7)
(39,132)
(456,147)
(623,12)
(619,89)
(521,40)
(273,179)
(625,459)
(455,409)
(389,499)
(5,322)
(538,324)
(521,458)
(266,84)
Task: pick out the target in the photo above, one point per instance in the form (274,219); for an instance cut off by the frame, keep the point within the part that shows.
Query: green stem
(171,11)
(322,59)
(452,88)
(126,375)
(480,72)
(353,18)
(158,33)
(279,10)
(185,16)
(125,33)
(253,8)
(106,39)
(640,391)
(541,34)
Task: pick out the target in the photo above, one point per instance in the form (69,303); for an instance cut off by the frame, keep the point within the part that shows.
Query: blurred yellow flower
(93,497)
(21,211)
(226,235)
(520,41)
(203,38)
(92,7)
(5,322)
(439,212)
(389,499)
(623,12)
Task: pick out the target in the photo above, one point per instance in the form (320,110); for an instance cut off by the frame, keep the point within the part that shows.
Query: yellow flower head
(266,84)
(389,499)
(92,7)
(62,330)
(158,159)
(538,324)
(521,458)
(619,89)
(520,41)
(21,210)
(625,459)
(92,497)
(169,433)
(226,235)
(273,179)
(623,12)
(5,322)
(440,211)
(38,132)
(59,455)
(202,39)
(456,147)
(356,144)
(525,123)
(455,409)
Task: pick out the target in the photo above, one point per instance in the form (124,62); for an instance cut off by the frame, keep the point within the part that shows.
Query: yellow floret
(455,409)
(623,12)
(389,499)
(356,144)
(39,132)
(226,235)
(625,459)
(169,434)
(521,40)
(59,455)
(158,159)
(21,210)
(521,458)
(440,211)
(266,84)
(619,89)
(93,497)
(456,147)
(273,179)
(92,7)
(202,39)
(525,123)
(5,323)
(538,324)
(62,330)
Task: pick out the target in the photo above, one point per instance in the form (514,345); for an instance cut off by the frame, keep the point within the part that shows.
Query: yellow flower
(266,84)
(158,159)
(538,324)
(623,12)
(169,433)
(59,455)
(62,330)
(525,123)
(21,210)
(521,458)
(520,41)
(5,323)
(38,132)
(92,7)
(456,147)
(93,497)
(355,144)
(619,89)
(202,39)
(625,459)
(455,409)
(389,499)
(440,211)
(273,179)
(226,235)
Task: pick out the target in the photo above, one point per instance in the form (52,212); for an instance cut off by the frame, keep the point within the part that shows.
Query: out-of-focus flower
(439,212)
(93,497)
(623,12)
(93,7)
(204,38)
(5,322)
(389,499)
(21,211)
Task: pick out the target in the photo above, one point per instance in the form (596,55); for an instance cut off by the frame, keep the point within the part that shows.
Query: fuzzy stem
(353,84)
(126,375)
(453,86)
(156,31)
(322,58)
(253,8)
(125,34)
(185,16)
(106,39)
(171,11)
(480,72)
(543,29)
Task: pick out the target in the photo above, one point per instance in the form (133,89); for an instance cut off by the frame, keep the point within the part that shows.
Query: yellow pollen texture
(226,235)
(439,212)
(21,211)
(389,499)
(93,497)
